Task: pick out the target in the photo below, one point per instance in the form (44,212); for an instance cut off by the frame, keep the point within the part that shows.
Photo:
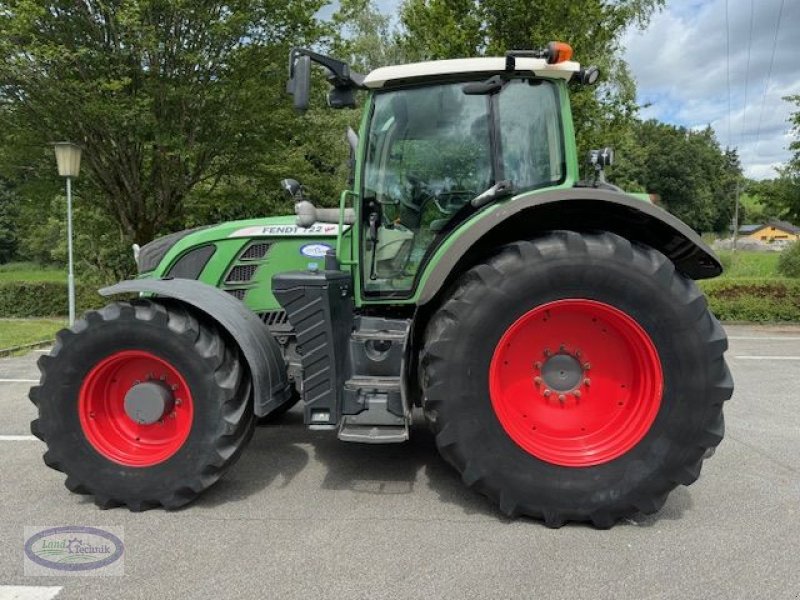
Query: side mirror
(292,188)
(299,81)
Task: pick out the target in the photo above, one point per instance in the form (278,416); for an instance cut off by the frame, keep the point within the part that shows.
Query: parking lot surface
(303,515)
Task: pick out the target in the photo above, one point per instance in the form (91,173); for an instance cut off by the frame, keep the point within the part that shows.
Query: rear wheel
(575,377)
(143,405)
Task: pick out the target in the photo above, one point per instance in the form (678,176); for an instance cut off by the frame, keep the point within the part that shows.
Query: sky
(683,68)
(684,71)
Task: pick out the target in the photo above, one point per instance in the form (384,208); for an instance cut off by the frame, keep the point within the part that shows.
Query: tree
(438,29)
(695,179)
(365,37)
(8,216)
(781,196)
(164,95)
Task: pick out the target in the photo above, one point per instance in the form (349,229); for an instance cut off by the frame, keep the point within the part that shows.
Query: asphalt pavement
(303,515)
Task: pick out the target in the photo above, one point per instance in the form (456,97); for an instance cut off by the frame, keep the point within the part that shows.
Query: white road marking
(28,592)
(18,438)
(19,381)
(767,357)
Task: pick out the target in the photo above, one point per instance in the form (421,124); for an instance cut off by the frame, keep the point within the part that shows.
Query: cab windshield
(432,149)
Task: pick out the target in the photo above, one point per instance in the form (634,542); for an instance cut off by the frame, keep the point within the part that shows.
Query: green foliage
(24,299)
(789,263)
(436,29)
(367,38)
(780,197)
(164,95)
(8,217)
(756,300)
(28,271)
(695,179)
(18,332)
(741,264)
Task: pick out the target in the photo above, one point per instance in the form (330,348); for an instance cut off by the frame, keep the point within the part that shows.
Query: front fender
(271,386)
(577,209)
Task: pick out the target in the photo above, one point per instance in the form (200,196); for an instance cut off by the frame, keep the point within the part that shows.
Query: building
(771,231)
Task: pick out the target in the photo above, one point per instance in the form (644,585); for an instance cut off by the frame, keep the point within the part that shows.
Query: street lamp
(68,158)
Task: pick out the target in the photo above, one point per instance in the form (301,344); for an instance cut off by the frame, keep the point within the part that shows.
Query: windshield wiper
(499,190)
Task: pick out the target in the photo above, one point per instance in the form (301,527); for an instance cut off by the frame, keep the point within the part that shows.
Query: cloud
(681,66)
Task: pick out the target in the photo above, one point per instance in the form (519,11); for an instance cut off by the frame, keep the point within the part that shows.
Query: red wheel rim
(576,382)
(107,426)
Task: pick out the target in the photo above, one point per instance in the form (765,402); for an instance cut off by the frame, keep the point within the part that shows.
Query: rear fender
(576,209)
(271,386)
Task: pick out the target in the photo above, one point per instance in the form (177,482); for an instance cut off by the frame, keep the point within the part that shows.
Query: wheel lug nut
(561,398)
(174,387)
(178,401)
(547,352)
(537,380)
(537,364)
(587,381)
(547,393)
(577,393)
(578,353)
(587,366)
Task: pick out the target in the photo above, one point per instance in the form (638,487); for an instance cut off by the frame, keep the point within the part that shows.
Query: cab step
(381,418)
(372,434)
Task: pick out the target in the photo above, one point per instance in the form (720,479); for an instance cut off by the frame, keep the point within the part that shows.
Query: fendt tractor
(547,326)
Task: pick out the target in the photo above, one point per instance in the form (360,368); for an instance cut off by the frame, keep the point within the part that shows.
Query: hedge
(760,300)
(23,299)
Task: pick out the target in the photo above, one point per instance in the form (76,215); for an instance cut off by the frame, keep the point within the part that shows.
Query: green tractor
(548,328)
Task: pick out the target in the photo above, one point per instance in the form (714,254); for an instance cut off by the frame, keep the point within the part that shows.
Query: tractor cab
(442,139)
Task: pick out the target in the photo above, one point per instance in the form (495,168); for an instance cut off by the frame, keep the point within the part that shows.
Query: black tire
(643,283)
(222,421)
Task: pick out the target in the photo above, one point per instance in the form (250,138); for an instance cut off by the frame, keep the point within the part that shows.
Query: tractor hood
(164,249)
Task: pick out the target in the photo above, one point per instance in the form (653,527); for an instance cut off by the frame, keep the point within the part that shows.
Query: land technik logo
(74,550)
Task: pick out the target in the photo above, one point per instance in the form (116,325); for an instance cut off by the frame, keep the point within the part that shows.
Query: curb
(32,346)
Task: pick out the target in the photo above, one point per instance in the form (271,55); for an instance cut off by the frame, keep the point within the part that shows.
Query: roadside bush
(23,299)
(789,262)
(759,300)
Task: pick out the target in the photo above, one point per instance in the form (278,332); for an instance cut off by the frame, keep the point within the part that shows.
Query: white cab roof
(494,64)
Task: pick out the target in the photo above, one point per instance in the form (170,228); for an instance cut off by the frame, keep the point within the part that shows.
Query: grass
(28,271)
(16,332)
(740,264)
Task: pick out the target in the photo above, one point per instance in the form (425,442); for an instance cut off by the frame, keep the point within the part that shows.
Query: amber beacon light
(558,52)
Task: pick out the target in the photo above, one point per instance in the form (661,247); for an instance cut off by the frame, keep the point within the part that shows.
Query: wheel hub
(135,408)
(562,372)
(148,402)
(547,402)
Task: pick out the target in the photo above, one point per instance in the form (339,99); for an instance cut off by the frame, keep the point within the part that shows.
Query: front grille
(241,274)
(274,317)
(255,251)
(238,294)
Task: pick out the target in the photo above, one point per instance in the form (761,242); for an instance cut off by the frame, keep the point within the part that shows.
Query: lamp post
(68,158)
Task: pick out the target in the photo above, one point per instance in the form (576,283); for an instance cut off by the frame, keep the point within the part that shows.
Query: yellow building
(772,231)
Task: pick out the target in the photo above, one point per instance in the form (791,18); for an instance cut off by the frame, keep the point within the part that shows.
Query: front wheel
(142,404)
(575,377)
